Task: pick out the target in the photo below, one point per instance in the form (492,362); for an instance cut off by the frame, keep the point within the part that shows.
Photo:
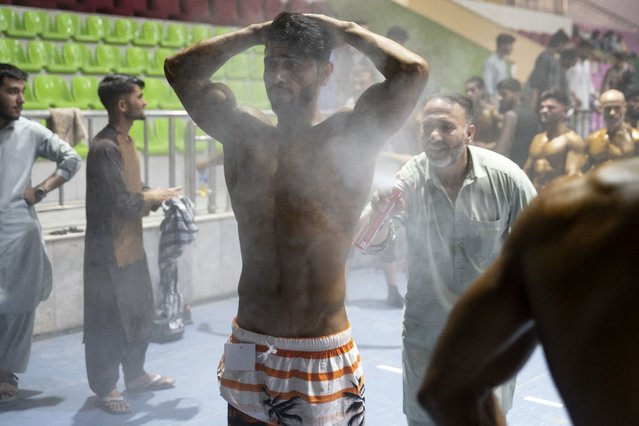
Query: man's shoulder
(25,124)
(105,139)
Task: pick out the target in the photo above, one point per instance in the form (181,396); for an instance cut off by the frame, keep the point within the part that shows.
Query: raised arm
(383,107)
(212,105)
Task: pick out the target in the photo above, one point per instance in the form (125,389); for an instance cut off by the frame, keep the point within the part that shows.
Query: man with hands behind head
(297,188)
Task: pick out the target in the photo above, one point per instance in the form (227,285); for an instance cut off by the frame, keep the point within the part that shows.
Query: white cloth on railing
(68,124)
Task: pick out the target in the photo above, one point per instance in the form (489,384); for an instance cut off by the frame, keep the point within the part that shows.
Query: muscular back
(580,248)
(297,198)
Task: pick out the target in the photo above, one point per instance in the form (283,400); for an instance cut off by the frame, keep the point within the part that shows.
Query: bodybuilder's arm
(212,105)
(382,108)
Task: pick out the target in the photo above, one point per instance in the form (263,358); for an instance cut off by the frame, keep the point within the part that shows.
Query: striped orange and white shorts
(309,381)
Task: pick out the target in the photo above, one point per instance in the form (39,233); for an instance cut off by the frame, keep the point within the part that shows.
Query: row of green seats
(95,28)
(52,91)
(75,57)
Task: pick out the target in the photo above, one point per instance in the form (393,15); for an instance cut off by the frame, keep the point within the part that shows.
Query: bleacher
(67,46)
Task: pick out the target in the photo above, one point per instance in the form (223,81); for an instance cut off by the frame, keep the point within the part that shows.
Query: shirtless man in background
(487,119)
(618,139)
(567,278)
(557,151)
(297,189)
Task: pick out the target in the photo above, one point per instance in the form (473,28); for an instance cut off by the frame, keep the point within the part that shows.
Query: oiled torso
(297,198)
(603,147)
(548,157)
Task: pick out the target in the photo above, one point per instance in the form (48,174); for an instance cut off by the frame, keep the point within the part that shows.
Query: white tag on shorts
(239,356)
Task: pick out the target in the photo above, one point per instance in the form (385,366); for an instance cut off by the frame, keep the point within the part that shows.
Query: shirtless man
(297,189)
(617,140)
(558,151)
(488,120)
(567,278)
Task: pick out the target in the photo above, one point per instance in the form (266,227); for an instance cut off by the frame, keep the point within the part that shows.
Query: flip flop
(8,388)
(113,405)
(156,382)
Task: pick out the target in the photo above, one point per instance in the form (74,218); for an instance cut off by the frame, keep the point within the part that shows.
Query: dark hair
(11,71)
(397,33)
(511,84)
(465,102)
(113,86)
(476,79)
(504,38)
(305,36)
(560,37)
(556,94)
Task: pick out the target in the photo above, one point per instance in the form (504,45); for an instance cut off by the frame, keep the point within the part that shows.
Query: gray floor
(54,390)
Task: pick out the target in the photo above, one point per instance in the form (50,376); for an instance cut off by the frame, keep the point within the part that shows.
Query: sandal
(113,405)
(154,382)
(8,387)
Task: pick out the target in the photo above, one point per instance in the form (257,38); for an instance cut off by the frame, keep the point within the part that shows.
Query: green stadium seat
(92,30)
(174,36)
(59,62)
(122,31)
(39,53)
(84,90)
(199,32)
(20,57)
(30,102)
(149,34)
(159,95)
(4,22)
(60,27)
(104,61)
(6,51)
(54,90)
(155,67)
(133,61)
(72,56)
(29,25)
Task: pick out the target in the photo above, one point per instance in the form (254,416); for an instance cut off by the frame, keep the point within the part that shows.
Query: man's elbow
(418,70)
(170,64)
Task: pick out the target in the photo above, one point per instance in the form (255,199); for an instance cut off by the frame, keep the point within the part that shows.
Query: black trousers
(106,349)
